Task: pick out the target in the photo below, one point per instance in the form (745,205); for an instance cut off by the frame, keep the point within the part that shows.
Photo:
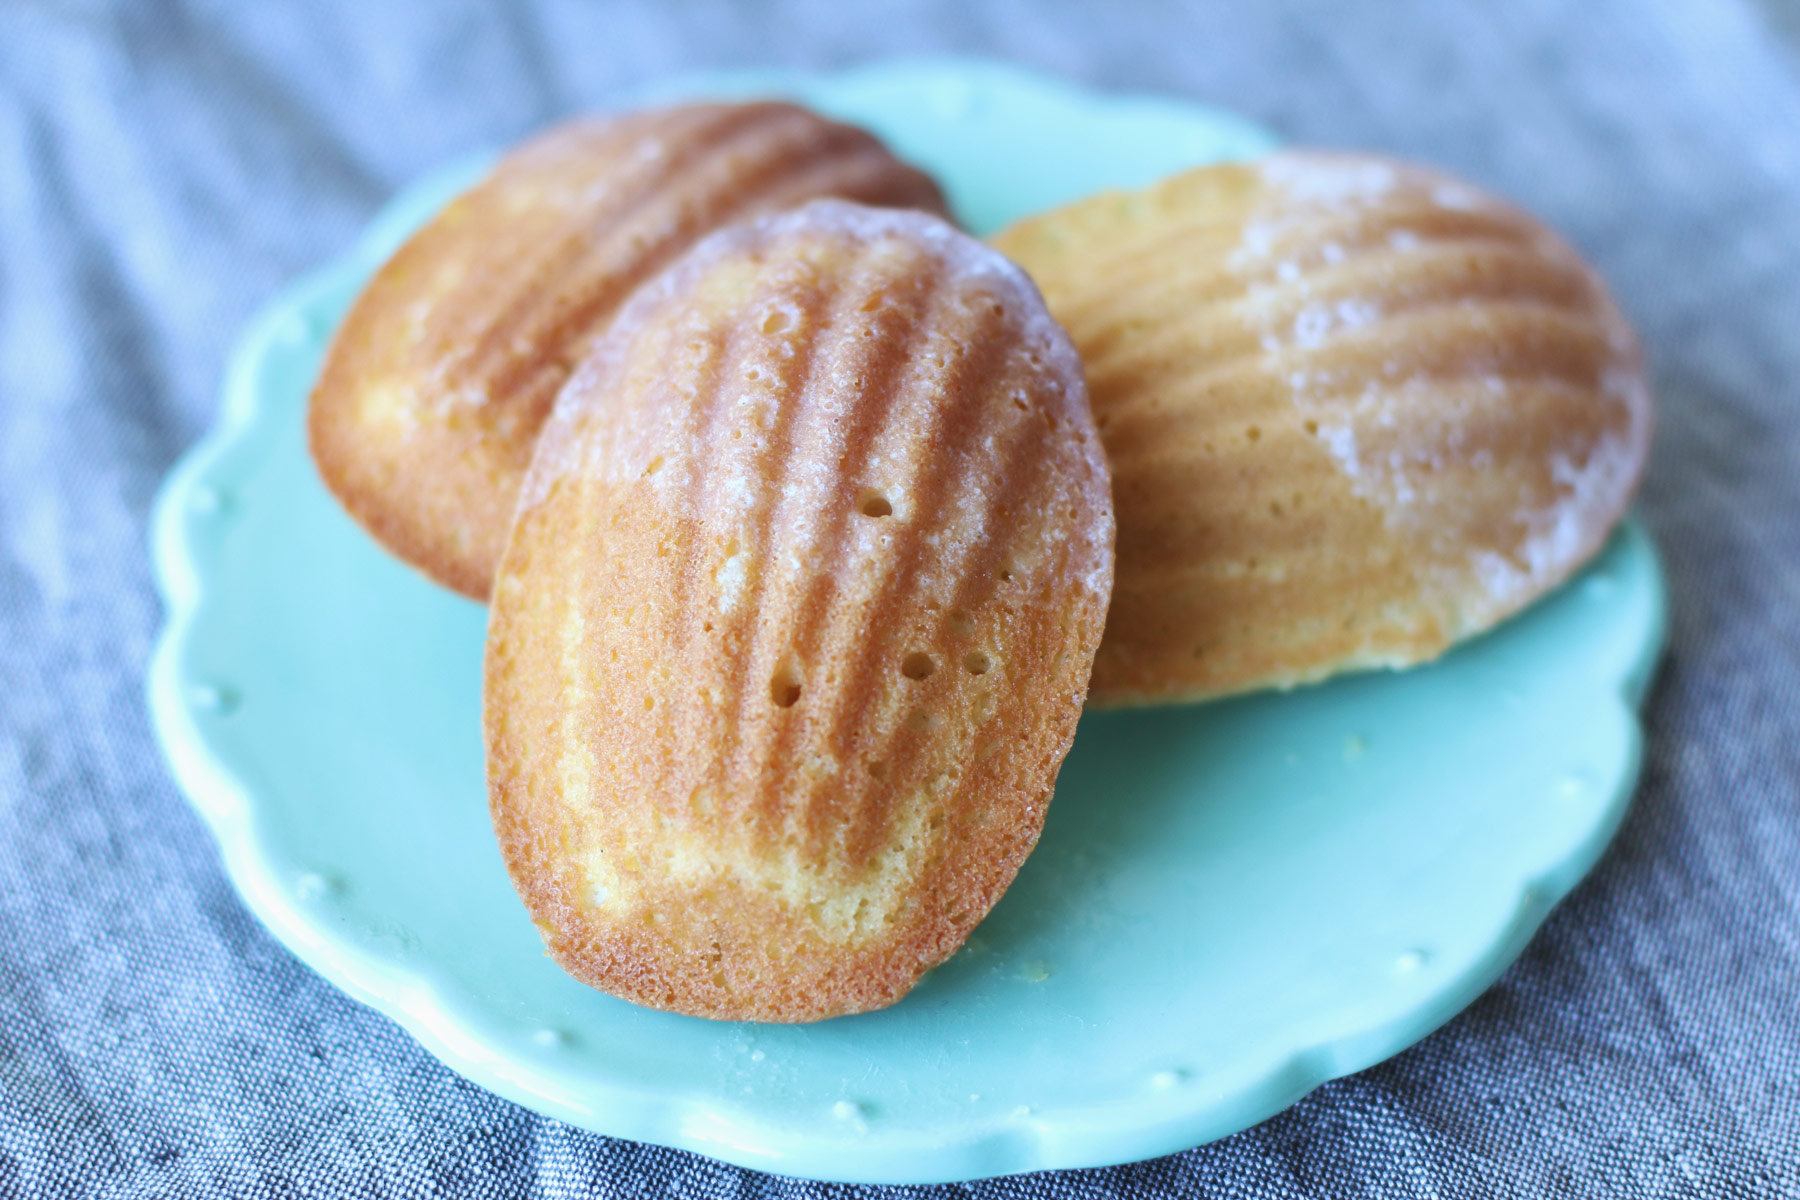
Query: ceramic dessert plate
(1231,903)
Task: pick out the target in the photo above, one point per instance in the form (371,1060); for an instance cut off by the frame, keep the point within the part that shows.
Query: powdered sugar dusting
(1558,535)
(1407,450)
(1318,323)
(1329,180)
(1408,437)
(737,486)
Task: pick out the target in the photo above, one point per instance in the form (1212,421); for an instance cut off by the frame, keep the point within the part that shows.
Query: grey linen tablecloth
(165,167)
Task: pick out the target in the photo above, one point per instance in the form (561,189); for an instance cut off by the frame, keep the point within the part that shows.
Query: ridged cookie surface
(430,401)
(1355,411)
(794,627)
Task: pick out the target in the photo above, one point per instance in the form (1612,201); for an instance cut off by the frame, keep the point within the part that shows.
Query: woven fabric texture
(165,167)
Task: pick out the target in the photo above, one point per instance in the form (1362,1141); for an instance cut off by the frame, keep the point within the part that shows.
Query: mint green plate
(1231,904)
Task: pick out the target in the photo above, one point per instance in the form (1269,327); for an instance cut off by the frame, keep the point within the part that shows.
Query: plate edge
(1000,1147)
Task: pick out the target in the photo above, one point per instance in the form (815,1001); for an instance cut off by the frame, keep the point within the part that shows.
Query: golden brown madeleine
(1355,411)
(796,620)
(428,406)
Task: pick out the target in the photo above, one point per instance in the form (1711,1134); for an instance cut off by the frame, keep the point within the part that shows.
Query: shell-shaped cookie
(1355,411)
(796,620)
(424,417)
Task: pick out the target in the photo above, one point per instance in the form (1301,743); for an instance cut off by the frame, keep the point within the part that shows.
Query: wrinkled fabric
(166,167)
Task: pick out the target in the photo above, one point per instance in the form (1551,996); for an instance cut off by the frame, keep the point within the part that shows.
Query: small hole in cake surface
(776,322)
(874,504)
(878,769)
(1312,427)
(1253,433)
(961,623)
(918,665)
(784,689)
(1007,571)
(977,663)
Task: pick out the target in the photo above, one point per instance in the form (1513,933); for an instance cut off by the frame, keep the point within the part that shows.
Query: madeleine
(425,414)
(1356,411)
(796,620)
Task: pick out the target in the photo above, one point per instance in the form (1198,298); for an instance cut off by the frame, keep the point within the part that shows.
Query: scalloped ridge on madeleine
(1355,411)
(795,623)
(430,400)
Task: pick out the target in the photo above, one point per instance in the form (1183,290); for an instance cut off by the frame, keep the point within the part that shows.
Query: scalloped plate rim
(701,1122)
